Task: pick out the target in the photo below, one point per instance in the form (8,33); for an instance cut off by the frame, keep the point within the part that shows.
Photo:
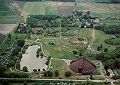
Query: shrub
(109,63)
(47,62)
(16,75)
(20,43)
(38,69)
(25,69)
(48,74)
(56,72)
(18,66)
(74,52)
(68,74)
(34,70)
(16,50)
(105,49)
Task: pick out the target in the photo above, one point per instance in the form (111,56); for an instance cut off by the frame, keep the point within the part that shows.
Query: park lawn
(100,37)
(59,65)
(63,48)
(57,50)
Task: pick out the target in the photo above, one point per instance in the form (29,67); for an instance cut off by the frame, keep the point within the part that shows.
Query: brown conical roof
(82,65)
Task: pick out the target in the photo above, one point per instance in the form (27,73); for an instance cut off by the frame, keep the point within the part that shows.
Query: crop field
(7,17)
(4,11)
(66,8)
(6,28)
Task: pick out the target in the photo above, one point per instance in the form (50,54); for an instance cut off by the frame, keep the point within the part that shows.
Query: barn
(82,65)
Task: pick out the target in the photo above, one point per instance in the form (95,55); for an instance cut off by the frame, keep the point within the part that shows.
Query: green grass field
(59,65)
(58,50)
(63,48)
(100,37)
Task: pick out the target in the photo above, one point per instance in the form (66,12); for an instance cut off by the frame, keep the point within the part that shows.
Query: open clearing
(65,8)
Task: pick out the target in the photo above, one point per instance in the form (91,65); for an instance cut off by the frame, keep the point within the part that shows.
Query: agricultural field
(66,8)
(8,14)
(6,28)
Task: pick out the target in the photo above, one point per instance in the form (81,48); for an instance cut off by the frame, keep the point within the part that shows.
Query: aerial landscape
(59,42)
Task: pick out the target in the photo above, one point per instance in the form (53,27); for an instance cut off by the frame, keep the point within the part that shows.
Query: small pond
(30,60)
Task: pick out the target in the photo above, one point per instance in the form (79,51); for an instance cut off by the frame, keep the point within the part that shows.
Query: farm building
(37,30)
(22,28)
(82,65)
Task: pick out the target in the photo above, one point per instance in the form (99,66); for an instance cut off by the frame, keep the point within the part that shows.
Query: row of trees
(51,74)
(113,41)
(109,28)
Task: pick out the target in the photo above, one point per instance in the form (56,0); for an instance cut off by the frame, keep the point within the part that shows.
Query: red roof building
(82,65)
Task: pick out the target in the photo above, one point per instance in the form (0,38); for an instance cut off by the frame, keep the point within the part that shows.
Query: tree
(15,51)
(91,77)
(50,74)
(109,63)
(25,69)
(56,72)
(25,83)
(39,70)
(41,54)
(18,66)
(68,74)
(12,63)
(105,49)
(74,52)
(45,73)
(20,43)
(9,36)
(99,47)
